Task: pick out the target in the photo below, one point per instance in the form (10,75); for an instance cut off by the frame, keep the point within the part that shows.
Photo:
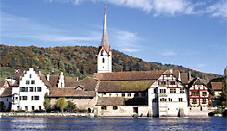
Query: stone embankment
(13,114)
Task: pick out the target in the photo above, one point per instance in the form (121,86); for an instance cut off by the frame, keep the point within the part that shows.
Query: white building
(168,95)
(30,92)
(142,93)
(104,56)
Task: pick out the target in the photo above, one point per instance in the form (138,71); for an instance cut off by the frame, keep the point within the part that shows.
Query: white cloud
(168,53)
(152,6)
(201,65)
(25,28)
(219,9)
(125,40)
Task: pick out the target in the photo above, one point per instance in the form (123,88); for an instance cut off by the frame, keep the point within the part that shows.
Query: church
(155,93)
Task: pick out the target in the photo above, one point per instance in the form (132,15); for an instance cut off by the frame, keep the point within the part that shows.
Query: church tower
(104,57)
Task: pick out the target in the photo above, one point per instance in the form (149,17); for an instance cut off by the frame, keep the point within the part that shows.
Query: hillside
(75,61)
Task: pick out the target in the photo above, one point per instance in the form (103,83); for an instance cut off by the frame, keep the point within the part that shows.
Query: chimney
(179,77)
(189,75)
(48,77)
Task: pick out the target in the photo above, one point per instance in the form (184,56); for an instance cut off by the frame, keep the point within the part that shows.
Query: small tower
(104,57)
(61,81)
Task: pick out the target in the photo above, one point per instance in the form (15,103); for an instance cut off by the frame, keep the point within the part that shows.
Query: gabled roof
(124,86)
(88,83)
(110,101)
(70,92)
(120,101)
(129,76)
(2,82)
(7,92)
(216,86)
(43,78)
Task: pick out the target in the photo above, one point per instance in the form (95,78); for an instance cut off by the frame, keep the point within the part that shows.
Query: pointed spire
(105,42)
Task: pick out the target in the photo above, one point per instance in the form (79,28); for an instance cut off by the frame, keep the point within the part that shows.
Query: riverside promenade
(24,114)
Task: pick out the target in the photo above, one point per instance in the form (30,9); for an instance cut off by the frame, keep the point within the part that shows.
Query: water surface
(116,124)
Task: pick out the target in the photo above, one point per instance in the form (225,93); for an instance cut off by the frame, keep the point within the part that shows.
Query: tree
(46,102)
(61,104)
(70,106)
(223,97)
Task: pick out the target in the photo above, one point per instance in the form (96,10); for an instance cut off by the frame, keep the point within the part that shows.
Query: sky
(191,33)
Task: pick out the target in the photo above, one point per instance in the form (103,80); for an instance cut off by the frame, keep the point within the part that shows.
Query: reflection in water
(104,124)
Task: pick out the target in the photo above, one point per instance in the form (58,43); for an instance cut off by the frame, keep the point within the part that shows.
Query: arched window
(102,53)
(103,60)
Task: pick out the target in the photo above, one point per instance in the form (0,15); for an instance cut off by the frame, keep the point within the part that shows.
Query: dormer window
(30,76)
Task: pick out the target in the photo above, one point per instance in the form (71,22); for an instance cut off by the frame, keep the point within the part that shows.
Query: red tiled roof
(7,92)
(124,86)
(216,86)
(70,92)
(129,76)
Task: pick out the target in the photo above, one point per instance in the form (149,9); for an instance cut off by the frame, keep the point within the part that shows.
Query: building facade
(30,92)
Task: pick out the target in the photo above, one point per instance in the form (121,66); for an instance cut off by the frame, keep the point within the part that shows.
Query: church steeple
(104,57)
(105,42)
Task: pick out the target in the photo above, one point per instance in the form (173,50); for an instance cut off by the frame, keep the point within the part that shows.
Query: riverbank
(55,115)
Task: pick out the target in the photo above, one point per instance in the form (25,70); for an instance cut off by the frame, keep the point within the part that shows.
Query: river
(115,124)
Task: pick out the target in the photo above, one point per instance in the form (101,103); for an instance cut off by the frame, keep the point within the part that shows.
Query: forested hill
(75,61)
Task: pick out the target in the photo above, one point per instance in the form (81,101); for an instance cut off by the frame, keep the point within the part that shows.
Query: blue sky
(191,33)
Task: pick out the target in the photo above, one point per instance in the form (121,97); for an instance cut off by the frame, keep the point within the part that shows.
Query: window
(18,107)
(204,101)
(26,108)
(172,83)
(103,60)
(36,97)
(32,97)
(103,107)
(115,107)
(102,53)
(170,99)
(181,90)
(162,99)
(136,95)
(194,101)
(143,93)
(162,90)
(33,82)
(31,89)
(30,76)
(180,99)
(16,98)
(195,93)
(129,94)
(168,75)
(24,98)
(172,90)
(155,90)
(155,100)
(40,108)
(33,108)
(163,83)
(27,82)
(123,94)
(22,89)
(204,93)
(39,89)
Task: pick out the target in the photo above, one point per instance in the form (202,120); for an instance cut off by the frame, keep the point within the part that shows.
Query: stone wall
(80,103)
(122,111)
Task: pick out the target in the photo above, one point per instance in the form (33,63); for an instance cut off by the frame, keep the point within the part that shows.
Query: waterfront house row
(144,93)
